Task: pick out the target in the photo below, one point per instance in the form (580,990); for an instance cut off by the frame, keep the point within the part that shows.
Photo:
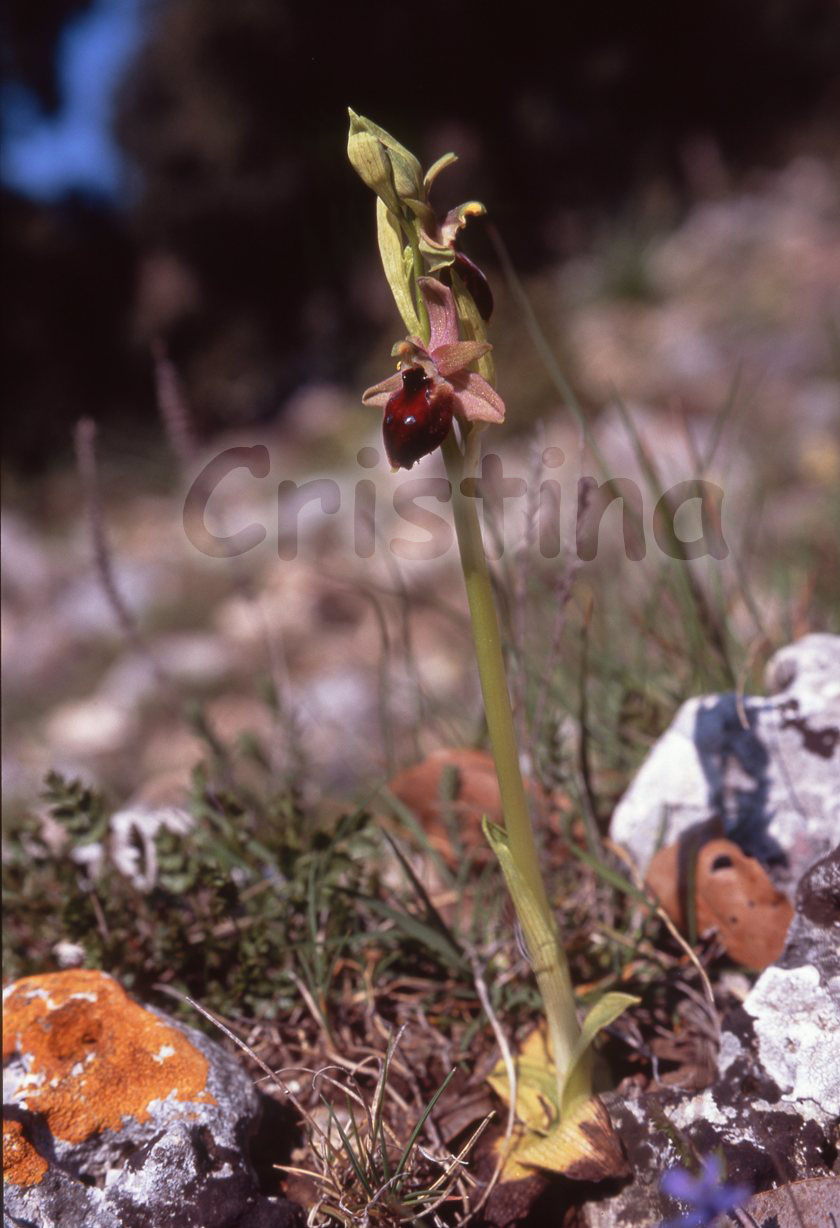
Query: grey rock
(58,1201)
(795,1004)
(814,935)
(766,769)
(187,1164)
(797,1027)
(762,1133)
(796,1204)
(742,1115)
(188,1178)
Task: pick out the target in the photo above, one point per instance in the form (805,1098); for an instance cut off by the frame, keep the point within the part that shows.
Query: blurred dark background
(176,169)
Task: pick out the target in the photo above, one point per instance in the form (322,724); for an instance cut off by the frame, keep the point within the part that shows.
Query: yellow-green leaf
(583,1145)
(536,1083)
(605,1011)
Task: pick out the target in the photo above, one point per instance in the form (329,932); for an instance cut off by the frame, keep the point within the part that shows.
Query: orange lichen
(22,1164)
(93,1056)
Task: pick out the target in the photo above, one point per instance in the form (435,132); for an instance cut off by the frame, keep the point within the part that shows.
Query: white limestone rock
(768,768)
(797,1026)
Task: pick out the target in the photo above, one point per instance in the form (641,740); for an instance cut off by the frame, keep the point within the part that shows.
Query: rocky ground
(336,654)
(724,323)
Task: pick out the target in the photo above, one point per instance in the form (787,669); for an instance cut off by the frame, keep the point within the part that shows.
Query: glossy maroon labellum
(417,418)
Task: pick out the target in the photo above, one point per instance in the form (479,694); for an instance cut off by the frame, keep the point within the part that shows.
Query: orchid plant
(443,395)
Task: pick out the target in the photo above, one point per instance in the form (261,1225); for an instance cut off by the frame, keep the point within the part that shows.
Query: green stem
(550,964)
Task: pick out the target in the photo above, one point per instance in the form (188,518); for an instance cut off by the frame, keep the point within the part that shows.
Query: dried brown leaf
(733,895)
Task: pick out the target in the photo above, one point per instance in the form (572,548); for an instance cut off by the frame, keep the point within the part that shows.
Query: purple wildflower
(706,1195)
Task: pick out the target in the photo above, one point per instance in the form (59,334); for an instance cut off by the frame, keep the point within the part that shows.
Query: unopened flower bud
(385,165)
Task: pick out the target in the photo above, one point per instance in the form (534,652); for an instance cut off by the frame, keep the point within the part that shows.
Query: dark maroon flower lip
(418,417)
(445,360)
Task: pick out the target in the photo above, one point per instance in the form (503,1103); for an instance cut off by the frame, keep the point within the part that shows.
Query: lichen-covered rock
(795,1005)
(767,768)
(794,1205)
(814,936)
(116,1115)
(797,1027)
(774,1108)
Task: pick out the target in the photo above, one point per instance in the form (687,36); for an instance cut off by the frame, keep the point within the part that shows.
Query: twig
(173,407)
(85,445)
(592,821)
(214,1019)
(176,416)
(84,439)
(519,611)
(562,596)
(753,650)
(510,1070)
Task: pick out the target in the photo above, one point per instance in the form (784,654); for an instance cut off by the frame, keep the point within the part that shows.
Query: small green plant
(443,395)
(249,895)
(249,902)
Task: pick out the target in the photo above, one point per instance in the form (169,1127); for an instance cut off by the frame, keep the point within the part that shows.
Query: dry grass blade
(284,1088)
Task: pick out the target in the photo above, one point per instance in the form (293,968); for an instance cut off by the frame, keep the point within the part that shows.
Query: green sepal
(442,262)
(439,255)
(370,162)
